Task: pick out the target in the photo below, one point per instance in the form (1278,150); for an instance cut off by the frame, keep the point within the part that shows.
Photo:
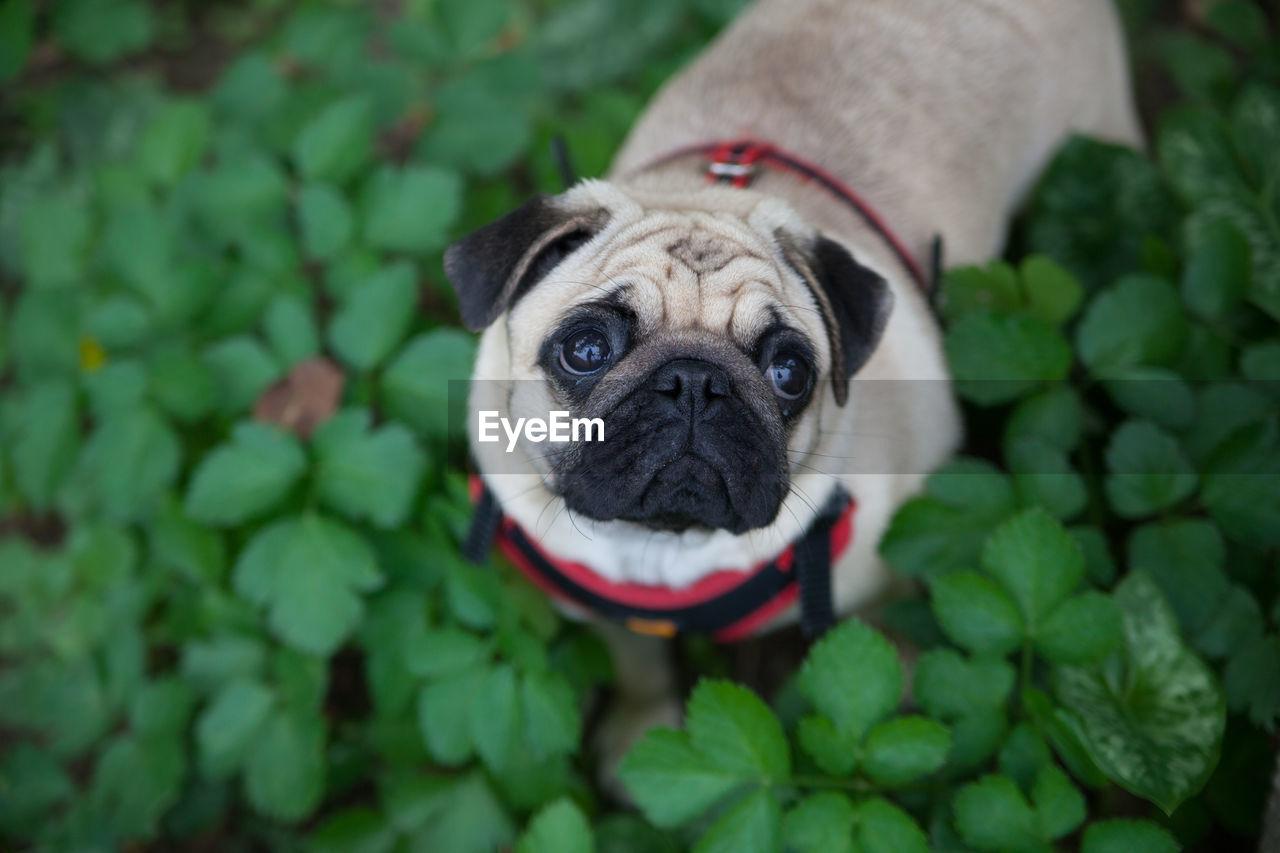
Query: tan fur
(941,113)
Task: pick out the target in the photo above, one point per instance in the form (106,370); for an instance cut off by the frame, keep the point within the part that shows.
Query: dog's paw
(624,724)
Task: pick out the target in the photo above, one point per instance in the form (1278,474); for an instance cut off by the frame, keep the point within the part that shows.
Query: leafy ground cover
(224,334)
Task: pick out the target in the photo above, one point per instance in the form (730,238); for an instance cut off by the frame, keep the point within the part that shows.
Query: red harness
(728,604)
(737,163)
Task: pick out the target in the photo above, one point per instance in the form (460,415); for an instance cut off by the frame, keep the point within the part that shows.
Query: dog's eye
(585,351)
(789,375)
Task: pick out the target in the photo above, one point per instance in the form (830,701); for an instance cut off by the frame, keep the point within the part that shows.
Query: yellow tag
(652,627)
(92,355)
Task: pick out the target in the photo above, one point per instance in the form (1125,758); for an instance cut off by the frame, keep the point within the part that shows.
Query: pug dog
(743,305)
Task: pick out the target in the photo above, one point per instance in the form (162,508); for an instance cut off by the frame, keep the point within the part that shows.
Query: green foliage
(232,609)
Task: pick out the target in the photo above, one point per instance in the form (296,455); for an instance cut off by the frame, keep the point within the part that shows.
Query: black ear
(491,268)
(855,304)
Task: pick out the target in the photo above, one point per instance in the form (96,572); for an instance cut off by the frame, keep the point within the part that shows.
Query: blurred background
(232,614)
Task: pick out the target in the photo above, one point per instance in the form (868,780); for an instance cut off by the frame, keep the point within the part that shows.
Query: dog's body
(940,113)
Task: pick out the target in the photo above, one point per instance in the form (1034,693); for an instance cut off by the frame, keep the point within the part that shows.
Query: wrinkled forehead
(697,270)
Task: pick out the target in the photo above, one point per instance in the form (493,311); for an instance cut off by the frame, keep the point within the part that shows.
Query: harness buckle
(731,169)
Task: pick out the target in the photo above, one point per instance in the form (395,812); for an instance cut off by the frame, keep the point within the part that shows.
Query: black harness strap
(483,529)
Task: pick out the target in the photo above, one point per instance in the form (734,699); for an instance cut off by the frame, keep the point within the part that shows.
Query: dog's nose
(691,383)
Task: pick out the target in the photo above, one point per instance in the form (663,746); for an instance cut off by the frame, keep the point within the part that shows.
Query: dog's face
(705,333)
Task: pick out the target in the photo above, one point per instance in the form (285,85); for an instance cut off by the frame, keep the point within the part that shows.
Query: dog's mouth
(688,493)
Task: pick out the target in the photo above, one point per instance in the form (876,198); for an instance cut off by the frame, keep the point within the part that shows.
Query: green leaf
(44,785)
(338,142)
(853,676)
(992,814)
(127,463)
(754,825)
(1185,557)
(559,827)
(162,707)
(364,473)
(1059,806)
(1153,720)
(475,129)
(325,220)
(1252,680)
(242,368)
(670,780)
(975,737)
(43,337)
(977,614)
(1054,416)
(1127,836)
(46,436)
(1048,720)
(1043,477)
(179,544)
(998,358)
(834,751)
(291,329)
(136,780)
(100,31)
(1236,620)
(1154,393)
(354,830)
(903,749)
(116,387)
(375,316)
(973,485)
(415,386)
(1239,485)
(1261,362)
(209,665)
(1255,123)
(820,823)
(1249,218)
(456,814)
(882,827)
(495,732)
(53,237)
(411,209)
(245,478)
(470,26)
(183,386)
(1197,157)
(1024,754)
(445,708)
(1096,205)
(927,537)
(444,651)
(119,322)
(1137,321)
(228,727)
(174,141)
(285,772)
(971,289)
(1148,471)
(552,720)
(1203,70)
(1083,629)
(948,686)
(308,571)
(1216,275)
(1053,294)
(17,34)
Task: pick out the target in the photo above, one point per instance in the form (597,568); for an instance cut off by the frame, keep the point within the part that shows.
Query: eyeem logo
(559,429)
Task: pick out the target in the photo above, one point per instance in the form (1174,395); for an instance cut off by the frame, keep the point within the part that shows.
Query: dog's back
(940,111)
